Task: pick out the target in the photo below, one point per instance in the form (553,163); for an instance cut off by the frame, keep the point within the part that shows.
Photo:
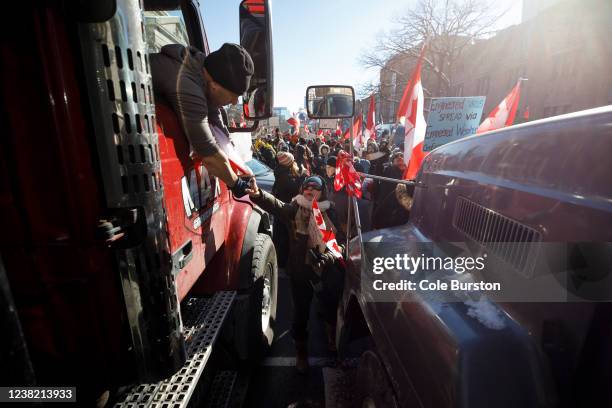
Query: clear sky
(318,41)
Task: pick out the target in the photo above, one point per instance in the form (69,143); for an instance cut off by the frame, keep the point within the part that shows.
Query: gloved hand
(323,261)
(239,189)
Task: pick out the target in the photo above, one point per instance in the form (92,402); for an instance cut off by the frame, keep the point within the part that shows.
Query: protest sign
(451,119)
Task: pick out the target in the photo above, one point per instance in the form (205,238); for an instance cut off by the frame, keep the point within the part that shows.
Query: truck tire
(262,298)
(373,387)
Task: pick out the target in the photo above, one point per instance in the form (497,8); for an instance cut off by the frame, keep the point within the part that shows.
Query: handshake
(246,186)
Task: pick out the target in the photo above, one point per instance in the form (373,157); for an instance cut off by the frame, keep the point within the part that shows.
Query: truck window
(165,27)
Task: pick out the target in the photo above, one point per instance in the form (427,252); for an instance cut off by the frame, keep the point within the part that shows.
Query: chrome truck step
(202,319)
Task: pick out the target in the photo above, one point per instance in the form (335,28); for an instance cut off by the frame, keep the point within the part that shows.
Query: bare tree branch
(448,26)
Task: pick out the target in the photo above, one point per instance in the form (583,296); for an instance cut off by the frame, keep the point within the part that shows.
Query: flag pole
(348,212)
(391,180)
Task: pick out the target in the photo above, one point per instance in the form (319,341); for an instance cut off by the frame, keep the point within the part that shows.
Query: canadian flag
(410,114)
(346,175)
(295,122)
(359,140)
(320,132)
(357,134)
(370,131)
(327,235)
(503,115)
(236,161)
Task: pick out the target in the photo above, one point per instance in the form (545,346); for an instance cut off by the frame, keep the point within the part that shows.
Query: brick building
(562,47)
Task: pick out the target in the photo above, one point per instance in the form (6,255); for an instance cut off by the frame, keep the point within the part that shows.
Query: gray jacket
(178,81)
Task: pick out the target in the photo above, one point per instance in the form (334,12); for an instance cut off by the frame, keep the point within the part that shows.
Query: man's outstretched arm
(218,165)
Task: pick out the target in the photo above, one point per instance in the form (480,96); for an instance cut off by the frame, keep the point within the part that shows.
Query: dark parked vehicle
(549,181)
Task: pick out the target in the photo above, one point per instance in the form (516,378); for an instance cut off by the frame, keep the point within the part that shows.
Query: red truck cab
(119,241)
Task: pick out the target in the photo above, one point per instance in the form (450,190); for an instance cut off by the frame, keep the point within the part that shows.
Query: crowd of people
(196,87)
(304,170)
(294,158)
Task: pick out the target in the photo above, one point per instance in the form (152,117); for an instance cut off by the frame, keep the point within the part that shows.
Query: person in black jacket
(311,267)
(288,177)
(320,160)
(387,211)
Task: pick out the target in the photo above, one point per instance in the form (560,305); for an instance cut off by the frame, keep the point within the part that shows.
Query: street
(276,383)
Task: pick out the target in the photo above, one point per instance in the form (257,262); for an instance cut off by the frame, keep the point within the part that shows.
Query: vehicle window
(165,27)
(258,168)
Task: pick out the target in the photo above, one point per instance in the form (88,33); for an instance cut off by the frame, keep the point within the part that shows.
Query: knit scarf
(306,224)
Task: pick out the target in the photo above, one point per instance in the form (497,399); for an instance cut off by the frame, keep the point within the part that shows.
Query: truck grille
(515,244)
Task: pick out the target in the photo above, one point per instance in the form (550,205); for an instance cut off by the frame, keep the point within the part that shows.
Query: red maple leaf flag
(504,113)
(410,114)
(346,175)
(320,132)
(328,236)
(236,160)
(370,132)
(295,122)
(356,129)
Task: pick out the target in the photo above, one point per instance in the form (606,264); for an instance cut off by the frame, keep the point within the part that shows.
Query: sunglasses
(313,186)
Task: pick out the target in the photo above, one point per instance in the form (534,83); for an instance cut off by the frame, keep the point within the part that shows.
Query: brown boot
(301,357)
(330,330)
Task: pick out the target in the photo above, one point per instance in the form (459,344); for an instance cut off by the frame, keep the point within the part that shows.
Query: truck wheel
(262,302)
(373,387)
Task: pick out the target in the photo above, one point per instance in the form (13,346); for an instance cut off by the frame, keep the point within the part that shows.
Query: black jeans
(328,291)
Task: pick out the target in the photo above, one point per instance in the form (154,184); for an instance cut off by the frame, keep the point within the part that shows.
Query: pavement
(276,383)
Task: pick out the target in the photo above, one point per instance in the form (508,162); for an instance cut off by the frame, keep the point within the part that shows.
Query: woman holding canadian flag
(314,257)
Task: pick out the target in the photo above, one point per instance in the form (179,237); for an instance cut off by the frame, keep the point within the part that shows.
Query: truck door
(194,200)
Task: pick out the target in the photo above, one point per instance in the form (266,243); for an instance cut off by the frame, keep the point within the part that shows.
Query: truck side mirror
(330,101)
(256,38)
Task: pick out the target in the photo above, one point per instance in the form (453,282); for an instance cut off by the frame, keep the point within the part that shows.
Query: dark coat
(387,210)
(299,262)
(320,162)
(286,185)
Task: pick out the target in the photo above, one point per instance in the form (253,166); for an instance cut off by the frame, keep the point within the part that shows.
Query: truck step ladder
(203,319)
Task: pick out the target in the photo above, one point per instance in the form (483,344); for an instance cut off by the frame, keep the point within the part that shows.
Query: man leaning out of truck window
(196,87)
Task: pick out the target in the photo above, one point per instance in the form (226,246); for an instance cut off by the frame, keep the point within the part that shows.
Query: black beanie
(331,161)
(231,67)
